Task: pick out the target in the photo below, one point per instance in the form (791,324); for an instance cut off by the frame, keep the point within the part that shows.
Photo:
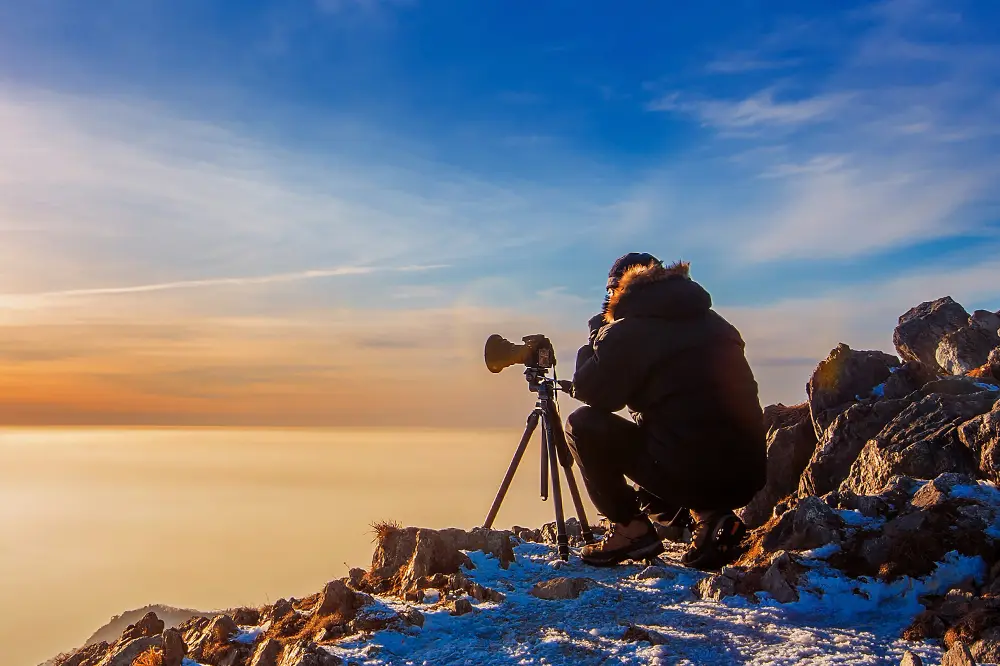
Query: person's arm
(606,372)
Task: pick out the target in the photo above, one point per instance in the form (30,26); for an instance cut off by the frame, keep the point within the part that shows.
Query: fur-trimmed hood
(657,291)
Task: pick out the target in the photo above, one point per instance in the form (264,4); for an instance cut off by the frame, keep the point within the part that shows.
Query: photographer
(696,441)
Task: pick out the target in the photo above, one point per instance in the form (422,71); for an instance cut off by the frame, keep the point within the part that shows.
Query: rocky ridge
(882,488)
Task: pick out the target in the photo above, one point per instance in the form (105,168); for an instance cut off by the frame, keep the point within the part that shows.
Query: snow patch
(248,635)
(987,387)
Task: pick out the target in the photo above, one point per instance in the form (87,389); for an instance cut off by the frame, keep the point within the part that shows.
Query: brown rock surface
(789,449)
(920,329)
(843,376)
(561,588)
(174,649)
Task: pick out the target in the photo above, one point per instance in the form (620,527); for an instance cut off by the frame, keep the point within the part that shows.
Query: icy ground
(837,621)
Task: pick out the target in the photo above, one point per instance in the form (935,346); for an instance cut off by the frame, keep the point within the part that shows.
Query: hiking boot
(624,542)
(716,542)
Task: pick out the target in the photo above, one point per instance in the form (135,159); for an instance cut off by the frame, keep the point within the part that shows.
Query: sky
(314,212)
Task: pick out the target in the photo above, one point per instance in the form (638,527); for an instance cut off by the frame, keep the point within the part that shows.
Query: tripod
(555,453)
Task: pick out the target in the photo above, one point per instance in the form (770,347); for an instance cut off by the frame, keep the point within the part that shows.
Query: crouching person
(696,444)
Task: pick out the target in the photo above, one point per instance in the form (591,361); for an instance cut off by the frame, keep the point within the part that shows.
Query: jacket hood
(658,291)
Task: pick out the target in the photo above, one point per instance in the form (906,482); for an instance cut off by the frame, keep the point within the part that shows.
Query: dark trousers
(609,448)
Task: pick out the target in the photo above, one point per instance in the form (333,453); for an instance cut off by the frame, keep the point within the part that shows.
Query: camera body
(536,352)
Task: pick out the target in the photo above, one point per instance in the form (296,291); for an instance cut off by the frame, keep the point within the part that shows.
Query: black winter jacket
(680,369)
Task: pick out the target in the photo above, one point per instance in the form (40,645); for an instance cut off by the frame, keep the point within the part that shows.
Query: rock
(981,436)
(636,634)
(715,587)
(85,656)
(777,585)
(780,416)
(911,659)
(246,617)
(958,655)
(966,349)
(561,588)
(921,329)
(921,442)
(404,556)
(174,649)
(810,524)
(267,653)
(149,625)
(789,450)
(356,577)
(280,609)
(841,378)
(842,442)
(461,607)
(413,617)
(124,653)
(212,639)
(307,653)
(986,320)
(987,648)
(911,376)
(926,625)
(654,572)
(337,600)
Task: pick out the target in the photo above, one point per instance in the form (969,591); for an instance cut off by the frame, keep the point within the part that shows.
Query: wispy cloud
(749,61)
(760,109)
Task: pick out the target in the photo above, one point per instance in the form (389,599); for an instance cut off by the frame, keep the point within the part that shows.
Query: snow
(988,387)
(879,391)
(248,635)
(857,519)
(836,621)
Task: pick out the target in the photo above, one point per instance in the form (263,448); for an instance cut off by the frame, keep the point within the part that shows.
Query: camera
(536,352)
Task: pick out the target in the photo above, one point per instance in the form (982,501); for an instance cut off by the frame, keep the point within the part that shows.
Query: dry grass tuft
(151,657)
(384,528)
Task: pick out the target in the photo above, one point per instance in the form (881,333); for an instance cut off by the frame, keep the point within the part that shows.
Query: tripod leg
(588,536)
(529,428)
(561,537)
(545,466)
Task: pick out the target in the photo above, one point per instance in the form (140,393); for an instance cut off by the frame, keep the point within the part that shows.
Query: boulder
(339,601)
(986,320)
(715,587)
(807,524)
(267,653)
(841,379)
(461,607)
(981,436)
(775,581)
(842,442)
(124,653)
(921,442)
(781,416)
(211,640)
(307,653)
(89,655)
(280,609)
(636,634)
(174,649)
(561,588)
(246,617)
(403,556)
(149,625)
(921,329)
(789,449)
(966,349)
(958,655)
(911,659)
(987,648)
(909,377)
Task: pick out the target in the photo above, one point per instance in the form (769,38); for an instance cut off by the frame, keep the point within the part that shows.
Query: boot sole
(646,552)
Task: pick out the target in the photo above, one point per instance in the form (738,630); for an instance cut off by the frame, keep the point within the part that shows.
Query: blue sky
(825,166)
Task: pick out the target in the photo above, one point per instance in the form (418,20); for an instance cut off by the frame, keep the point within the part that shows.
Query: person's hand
(594,325)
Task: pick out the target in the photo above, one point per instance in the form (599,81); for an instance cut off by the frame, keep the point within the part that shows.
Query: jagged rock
(781,416)
(405,555)
(267,653)
(987,648)
(636,634)
(986,320)
(842,442)
(280,609)
(958,655)
(981,436)
(810,524)
(561,588)
(356,577)
(461,607)
(921,329)
(307,653)
(89,655)
(246,617)
(776,583)
(789,449)
(149,625)
(210,639)
(124,653)
(966,349)
(926,625)
(922,442)
(174,649)
(841,379)
(413,617)
(911,659)
(338,600)
(715,587)
(909,377)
